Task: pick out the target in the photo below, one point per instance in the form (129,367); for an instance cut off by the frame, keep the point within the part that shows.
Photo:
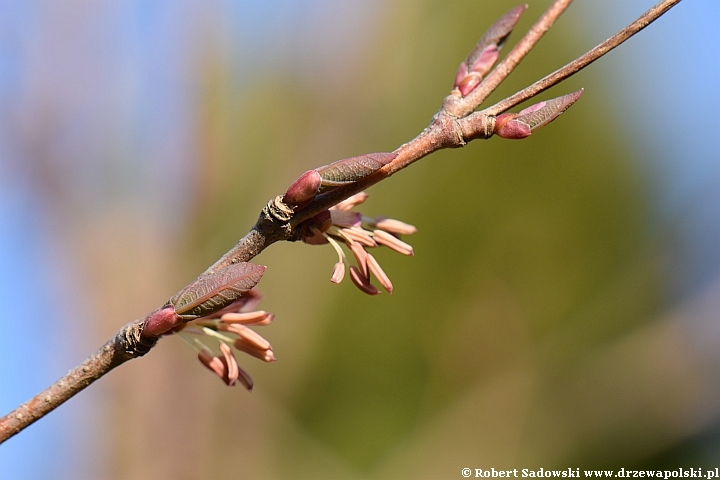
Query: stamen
(233,370)
(384,238)
(359,235)
(213,333)
(362,282)
(259,317)
(245,379)
(351,202)
(338,273)
(379,273)
(360,257)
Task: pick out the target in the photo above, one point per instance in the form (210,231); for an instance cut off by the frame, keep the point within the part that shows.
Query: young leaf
(212,292)
(350,170)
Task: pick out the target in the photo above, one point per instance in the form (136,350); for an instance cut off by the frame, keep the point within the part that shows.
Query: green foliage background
(522,333)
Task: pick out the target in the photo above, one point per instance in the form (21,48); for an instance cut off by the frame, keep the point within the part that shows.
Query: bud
(541,114)
(507,126)
(486,52)
(303,189)
(520,125)
(161,321)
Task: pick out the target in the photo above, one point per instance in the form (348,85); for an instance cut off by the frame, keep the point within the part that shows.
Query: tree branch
(125,345)
(578,64)
(452,126)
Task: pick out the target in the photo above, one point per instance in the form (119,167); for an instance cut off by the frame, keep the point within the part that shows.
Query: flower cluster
(340,224)
(230,328)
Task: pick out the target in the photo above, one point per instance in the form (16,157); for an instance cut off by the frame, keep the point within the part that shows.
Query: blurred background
(561,309)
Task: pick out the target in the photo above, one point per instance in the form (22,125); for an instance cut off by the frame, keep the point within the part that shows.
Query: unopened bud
(161,321)
(507,126)
(486,52)
(521,125)
(468,83)
(303,189)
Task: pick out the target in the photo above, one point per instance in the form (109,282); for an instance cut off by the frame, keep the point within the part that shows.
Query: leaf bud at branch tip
(520,125)
(486,52)
(507,126)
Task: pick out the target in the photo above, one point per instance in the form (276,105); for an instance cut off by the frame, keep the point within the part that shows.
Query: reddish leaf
(350,170)
(212,292)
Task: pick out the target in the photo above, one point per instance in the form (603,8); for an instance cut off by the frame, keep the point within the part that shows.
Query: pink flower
(230,329)
(341,225)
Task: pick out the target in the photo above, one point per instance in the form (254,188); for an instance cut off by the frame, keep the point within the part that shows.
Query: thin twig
(464,106)
(453,126)
(576,65)
(125,345)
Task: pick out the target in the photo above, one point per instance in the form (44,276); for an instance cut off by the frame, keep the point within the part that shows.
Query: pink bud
(486,60)
(461,73)
(541,114)
(506,126)
(469,83)
(161,321)
(486,52)
(303,189)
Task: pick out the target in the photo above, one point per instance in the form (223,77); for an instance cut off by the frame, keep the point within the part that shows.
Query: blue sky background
(669,76)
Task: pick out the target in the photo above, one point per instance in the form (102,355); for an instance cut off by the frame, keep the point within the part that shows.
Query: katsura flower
(219,305)
(340,225)
(229,328)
